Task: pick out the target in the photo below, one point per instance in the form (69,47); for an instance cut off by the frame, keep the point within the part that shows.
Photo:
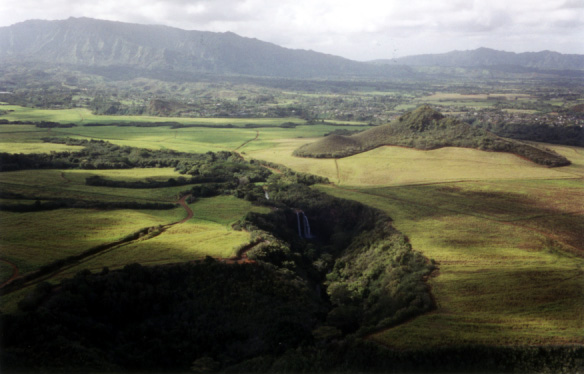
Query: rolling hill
(425,128)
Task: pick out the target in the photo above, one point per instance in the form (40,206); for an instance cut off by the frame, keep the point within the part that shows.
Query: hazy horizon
(362,31)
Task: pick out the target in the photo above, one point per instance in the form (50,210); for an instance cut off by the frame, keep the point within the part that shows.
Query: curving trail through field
(15,272)
(65,179)
(32,278)
(83,257)
(190,214)
(241,256)
(249,141)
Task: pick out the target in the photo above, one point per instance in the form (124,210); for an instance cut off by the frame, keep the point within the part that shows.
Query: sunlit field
(70,184)
(509,256)
(208,233)
(31,240)
(81,116)
(398,166)
(506,233)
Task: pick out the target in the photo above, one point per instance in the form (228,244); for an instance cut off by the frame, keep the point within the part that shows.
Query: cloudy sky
(356,29)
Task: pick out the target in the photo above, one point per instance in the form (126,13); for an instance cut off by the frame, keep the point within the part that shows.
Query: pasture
(28,138)
(208,233)
(505,232)
(31,240)
(81,116)
(390,166)
(510,257)
(35,239)
(70,184)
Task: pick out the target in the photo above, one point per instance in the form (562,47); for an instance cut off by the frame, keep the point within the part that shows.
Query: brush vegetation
(425,128)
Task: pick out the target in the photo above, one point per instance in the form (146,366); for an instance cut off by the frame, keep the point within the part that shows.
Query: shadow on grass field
(510,260)
(70,184)
(33,240)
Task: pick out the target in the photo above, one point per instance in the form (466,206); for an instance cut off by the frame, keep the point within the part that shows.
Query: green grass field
(504,278)
(398,166)
(208,233)
(31,240)
(71,184)
(27,138)
(506,233)
(509,252)
(36,148)
(82,115)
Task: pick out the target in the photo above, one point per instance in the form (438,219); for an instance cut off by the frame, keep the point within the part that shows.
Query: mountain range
(98,43)
(86,42)
(485,57)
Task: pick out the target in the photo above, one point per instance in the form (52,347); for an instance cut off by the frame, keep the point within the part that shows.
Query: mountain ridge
(487,57)
(97,43)
(87,42)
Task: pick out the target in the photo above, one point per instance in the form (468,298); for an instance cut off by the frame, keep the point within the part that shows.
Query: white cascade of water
(307,234)
(299,226)
(266,195)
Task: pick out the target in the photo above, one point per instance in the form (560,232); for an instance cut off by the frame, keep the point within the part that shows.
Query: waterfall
(303,225)
(299,227)
(307,234)
(266,195)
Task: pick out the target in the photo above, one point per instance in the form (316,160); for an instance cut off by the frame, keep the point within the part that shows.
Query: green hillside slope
(425,128)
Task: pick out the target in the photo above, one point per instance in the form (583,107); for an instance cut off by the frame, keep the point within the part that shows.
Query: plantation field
(223,210)
(208,233)
(28,139)
(510,257)
(36,148)
(31,240)
(506,233)
(398,166)
(40,238)
(70,184)
(82,115)
(198,140)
